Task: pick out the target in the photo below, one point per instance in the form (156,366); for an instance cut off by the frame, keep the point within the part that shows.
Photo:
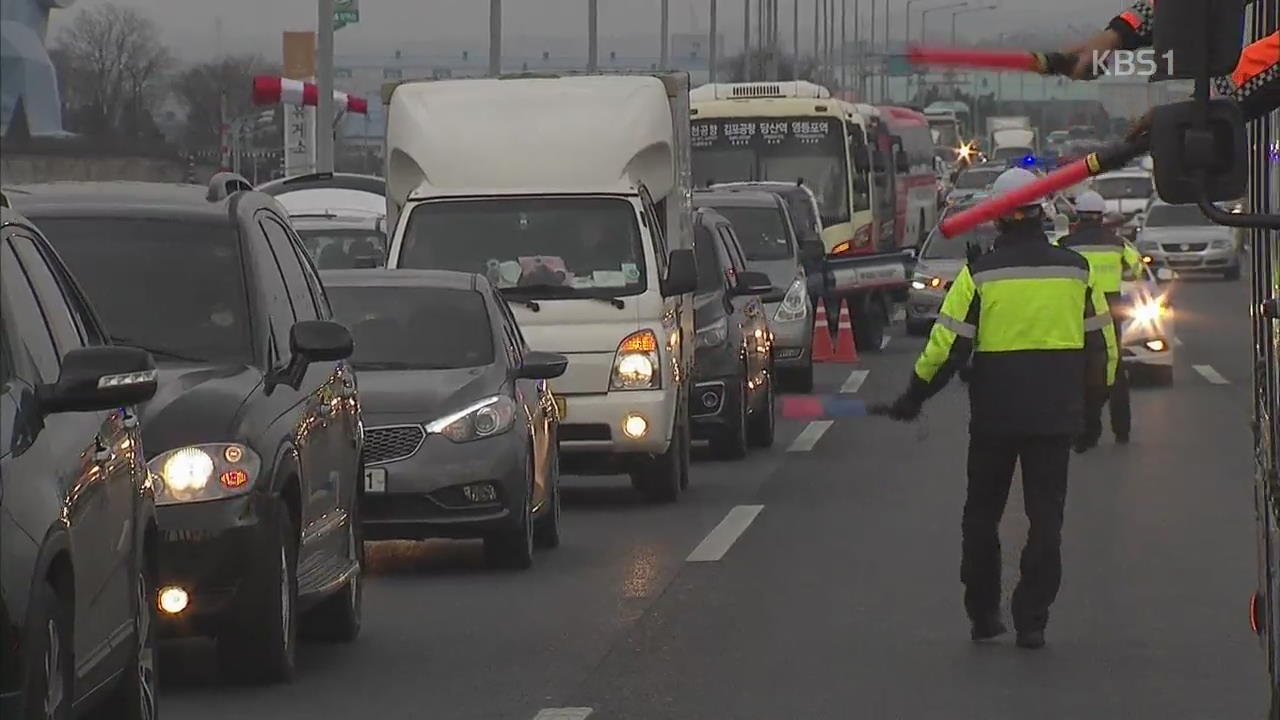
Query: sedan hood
(195,404)
(945,269)
(418,396)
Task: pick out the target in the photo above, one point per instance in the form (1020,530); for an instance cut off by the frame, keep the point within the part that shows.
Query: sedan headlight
(636,364)
(1148,311)
(477,421)
(920,281)
(196,473)
(795,305)
(1219,244)
(715,334)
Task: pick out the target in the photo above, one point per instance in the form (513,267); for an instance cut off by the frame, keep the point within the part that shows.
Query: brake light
(1255,613)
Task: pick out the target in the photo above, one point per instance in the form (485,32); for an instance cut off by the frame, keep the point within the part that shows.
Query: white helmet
(1013,179)
(1090,202)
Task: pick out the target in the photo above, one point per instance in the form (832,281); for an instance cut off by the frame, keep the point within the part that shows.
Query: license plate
(562,407)
(375,480)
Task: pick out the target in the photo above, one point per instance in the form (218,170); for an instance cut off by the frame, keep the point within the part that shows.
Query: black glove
(905,409)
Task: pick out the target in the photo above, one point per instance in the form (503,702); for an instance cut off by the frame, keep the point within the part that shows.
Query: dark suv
(254,434)
(78,537)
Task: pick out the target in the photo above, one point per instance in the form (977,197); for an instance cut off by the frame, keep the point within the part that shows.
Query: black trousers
(1044,489)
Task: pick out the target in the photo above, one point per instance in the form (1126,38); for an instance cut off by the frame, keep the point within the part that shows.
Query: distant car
(1183,239)
(254,435)
(319,192)
(973,181)
(460,425)
(78,538)
(1126,192)
(940,261)
(732,404)
(806,219)
(341,217)
(765,232)
(1147,338)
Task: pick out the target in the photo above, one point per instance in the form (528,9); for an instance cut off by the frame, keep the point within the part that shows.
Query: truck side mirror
(902,160)
(1193,34)
(1182,152)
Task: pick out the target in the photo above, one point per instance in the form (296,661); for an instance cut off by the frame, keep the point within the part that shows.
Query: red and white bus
(916,181)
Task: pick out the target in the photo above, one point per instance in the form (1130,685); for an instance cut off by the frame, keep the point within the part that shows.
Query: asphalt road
(841,598)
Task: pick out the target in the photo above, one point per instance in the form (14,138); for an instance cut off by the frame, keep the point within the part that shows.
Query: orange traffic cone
(846,350)
(822,350)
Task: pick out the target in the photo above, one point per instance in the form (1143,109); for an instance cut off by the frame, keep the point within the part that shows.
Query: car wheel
(50,660)
(730,442)
(338,617)
(869,327)
(761,429)
(1160,375)
(546,532)
(260,646)
(513,549)
(136,697)
(660,479)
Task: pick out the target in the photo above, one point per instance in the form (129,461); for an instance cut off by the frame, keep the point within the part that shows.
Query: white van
(572,195)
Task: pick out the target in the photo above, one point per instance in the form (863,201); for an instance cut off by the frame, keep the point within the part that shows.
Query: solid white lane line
(854,383)
(1211,375)
(563,714)
(810,436)
(884,342)
(718,541)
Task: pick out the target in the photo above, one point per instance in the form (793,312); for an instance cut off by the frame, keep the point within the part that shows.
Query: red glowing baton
(1043,63)
(1060,179)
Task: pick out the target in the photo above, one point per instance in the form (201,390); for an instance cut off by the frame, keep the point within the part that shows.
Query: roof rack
(225,184)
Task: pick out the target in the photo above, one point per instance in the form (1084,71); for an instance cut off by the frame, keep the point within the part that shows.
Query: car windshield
(173,287)
(976,179)
(940,247)
(344,248)
(1176,216)
(1123,188)
(414,328)
(762,232)
(538,247)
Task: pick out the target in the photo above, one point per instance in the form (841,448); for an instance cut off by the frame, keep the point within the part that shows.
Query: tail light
(1255,613)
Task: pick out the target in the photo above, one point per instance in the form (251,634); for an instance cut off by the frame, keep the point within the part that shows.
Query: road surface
(825,582)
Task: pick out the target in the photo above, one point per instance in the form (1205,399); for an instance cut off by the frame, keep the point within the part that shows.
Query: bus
(798,132)
(916,180)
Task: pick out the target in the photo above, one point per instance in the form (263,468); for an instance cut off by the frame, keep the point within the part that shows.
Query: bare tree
(111,62)
(200,89)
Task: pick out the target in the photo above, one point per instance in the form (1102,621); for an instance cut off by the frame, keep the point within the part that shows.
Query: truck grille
(1185,247)
(387,444)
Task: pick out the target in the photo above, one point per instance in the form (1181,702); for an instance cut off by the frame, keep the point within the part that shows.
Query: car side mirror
(751,282)
(321,341)
(912,253)
(902,160)
(682,274)
(542,365)
(93,379)
(1184,154)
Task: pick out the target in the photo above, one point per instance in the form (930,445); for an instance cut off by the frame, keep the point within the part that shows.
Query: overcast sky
(190,27)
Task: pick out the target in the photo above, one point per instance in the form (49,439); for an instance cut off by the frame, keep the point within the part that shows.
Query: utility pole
(871,85)
(713,54)
(795,40)
(666,35)
(593,36)
(746,40)
(495,37)
(861,78)
(844,43)
(817,46)
(884,66)
(324,84)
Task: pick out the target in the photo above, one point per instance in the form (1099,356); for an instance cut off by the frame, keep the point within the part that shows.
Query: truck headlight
(477,421)
(196,473)
(795,305)
(636,364)
(715,334)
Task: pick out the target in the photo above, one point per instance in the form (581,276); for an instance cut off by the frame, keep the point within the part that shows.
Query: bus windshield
(811,150)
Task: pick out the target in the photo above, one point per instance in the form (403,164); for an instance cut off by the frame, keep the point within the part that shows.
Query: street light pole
(884,65)
(924,17)
(593,36)
(844,43)
(666,35)
(713,54)
(495,37)
(324,84)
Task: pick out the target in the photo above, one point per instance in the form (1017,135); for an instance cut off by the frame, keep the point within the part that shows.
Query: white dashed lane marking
(854,383)
(1213,376)
(714,546)
(810,436)
(563,714)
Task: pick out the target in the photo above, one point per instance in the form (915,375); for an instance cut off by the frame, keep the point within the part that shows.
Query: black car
(254,434)
(461,427)
(78,537)
(732,404)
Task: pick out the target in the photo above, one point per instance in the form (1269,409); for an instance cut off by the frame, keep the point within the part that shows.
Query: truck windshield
(553,247)
(811,150)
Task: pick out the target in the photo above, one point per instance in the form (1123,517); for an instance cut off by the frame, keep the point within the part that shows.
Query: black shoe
(1031,639)
(987,629)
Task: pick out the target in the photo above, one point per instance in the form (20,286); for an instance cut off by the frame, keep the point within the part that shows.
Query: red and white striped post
(270,90)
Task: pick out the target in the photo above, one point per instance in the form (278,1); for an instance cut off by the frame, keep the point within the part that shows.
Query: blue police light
(1029,161)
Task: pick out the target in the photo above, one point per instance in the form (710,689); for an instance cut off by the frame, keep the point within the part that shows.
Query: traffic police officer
(1043,350)
(1109,257)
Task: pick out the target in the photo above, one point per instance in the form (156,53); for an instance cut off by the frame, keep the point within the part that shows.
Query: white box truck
(572,195)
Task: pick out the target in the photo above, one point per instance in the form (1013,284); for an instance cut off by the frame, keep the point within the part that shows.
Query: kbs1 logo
(1131,63)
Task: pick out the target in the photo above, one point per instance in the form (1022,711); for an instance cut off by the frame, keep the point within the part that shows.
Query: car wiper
(616,302)
(155,351)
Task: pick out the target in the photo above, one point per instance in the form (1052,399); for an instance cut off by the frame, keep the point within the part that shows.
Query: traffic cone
(822,350)
(846,350)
